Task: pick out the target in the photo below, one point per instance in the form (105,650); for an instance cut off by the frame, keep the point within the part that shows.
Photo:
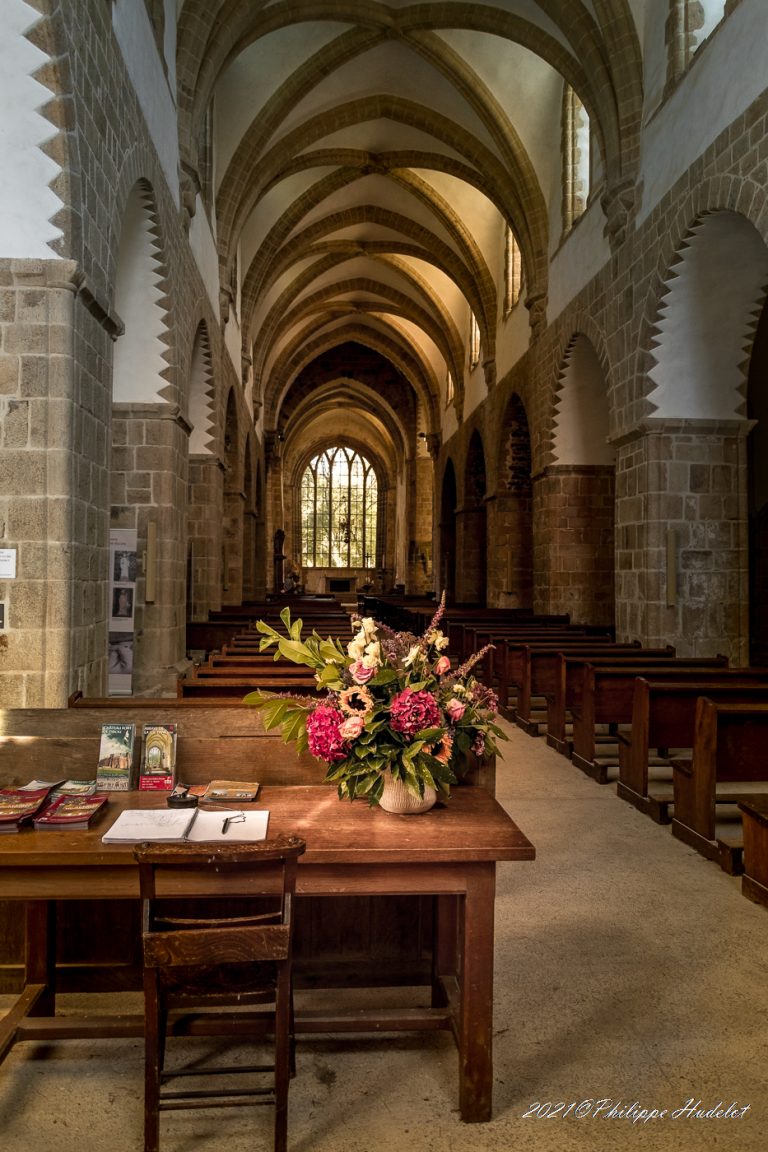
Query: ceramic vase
(398,798)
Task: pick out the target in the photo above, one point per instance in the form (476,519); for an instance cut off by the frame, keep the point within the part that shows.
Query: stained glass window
(339,505)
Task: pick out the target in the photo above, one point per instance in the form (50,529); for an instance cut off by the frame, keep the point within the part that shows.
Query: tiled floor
(629,970)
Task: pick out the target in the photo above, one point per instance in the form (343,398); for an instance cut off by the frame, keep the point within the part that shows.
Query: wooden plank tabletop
(470,827)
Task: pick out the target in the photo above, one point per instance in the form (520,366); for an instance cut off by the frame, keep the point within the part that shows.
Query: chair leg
(154,1029)
(283,1029)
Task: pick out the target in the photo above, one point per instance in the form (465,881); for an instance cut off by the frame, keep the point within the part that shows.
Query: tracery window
(474,341)
(688,26)
(576,147)
(513,271)
(339,510)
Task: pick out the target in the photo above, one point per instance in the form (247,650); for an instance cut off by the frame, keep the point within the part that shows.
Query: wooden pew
(539,666)
(754,881)
(569,680)
(728,765)
(597,691)
(339,942)
(512,663)
(206,682)
(491,668)
(663,714)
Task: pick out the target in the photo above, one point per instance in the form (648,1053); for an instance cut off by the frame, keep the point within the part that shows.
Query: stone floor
(629,970)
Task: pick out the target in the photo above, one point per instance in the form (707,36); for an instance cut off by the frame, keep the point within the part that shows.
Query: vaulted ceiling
(368,157)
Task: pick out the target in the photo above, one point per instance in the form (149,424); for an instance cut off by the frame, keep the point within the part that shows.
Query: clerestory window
(339,510)
(576,149)
(513,271)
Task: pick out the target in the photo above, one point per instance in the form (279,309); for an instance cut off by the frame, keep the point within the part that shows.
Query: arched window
(688,26)
(339,506)
(576,159)
(513,271)
(474,341)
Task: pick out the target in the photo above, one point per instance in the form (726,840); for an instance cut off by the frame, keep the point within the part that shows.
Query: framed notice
(122,603)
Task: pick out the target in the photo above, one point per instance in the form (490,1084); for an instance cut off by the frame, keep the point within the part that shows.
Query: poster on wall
(122,595)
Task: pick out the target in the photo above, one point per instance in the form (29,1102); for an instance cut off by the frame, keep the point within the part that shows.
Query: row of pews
(682,738)
(234,666)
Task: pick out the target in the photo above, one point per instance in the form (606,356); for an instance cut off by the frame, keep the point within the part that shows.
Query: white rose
(356,647)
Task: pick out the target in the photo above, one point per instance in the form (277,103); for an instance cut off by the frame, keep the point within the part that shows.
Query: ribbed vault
(370,157)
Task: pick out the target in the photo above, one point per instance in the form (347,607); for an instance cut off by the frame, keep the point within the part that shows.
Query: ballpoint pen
(231,820)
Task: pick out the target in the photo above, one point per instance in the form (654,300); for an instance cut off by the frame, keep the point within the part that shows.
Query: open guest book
(135,825)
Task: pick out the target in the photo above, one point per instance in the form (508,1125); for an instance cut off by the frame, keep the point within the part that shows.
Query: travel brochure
(73,804)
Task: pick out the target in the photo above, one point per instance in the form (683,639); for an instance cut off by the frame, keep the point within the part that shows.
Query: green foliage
(363,740)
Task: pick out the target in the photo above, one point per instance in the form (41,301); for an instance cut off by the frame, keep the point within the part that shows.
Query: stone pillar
(149,482)
(55,348)
(574,542)
(510,550)
(682,536)
(471,554)
(234,506)
(204,528)
(420,495)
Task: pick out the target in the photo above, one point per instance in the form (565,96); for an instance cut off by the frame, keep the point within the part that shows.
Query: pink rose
(352,727)
(455,709)
(442,666)
(360,673)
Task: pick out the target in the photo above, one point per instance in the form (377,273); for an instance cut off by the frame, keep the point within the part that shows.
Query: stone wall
(702,496)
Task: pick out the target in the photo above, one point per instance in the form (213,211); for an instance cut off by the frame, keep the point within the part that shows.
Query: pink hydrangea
(411,711)
(324,733)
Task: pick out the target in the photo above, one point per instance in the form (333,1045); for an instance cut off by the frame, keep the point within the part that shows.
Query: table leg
(444,945)
(476,1008)
(40,954)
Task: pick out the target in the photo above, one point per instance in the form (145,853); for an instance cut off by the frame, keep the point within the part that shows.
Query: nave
(628,968)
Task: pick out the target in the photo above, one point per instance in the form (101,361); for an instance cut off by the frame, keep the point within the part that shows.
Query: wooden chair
(217,961)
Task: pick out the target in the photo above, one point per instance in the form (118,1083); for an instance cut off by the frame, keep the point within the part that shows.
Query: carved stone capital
(537,314)
(618,204)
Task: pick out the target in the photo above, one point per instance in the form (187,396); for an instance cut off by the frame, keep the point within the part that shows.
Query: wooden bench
(492,667)
(589,692)
(728,765)
(338,942)
(663,715)
(512,662)
(754,880)
(538,667)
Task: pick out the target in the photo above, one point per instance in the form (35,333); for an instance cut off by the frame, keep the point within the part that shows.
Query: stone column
(682,536)
(573,542)
(234,504)
(204,528)
(55,349)
(149,482)
(420,495)
(471,553)
(510,554)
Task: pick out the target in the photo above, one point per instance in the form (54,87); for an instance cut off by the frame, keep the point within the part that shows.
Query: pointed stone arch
(140,367)
(202,395)
(581,417)
(710,305)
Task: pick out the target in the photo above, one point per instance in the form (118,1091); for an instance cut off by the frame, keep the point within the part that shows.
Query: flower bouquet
(390,702)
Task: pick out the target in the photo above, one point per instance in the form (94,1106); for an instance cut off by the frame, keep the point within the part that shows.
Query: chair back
(265,870)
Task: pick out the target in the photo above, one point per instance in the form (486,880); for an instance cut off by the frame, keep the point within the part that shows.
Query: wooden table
(449,853)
